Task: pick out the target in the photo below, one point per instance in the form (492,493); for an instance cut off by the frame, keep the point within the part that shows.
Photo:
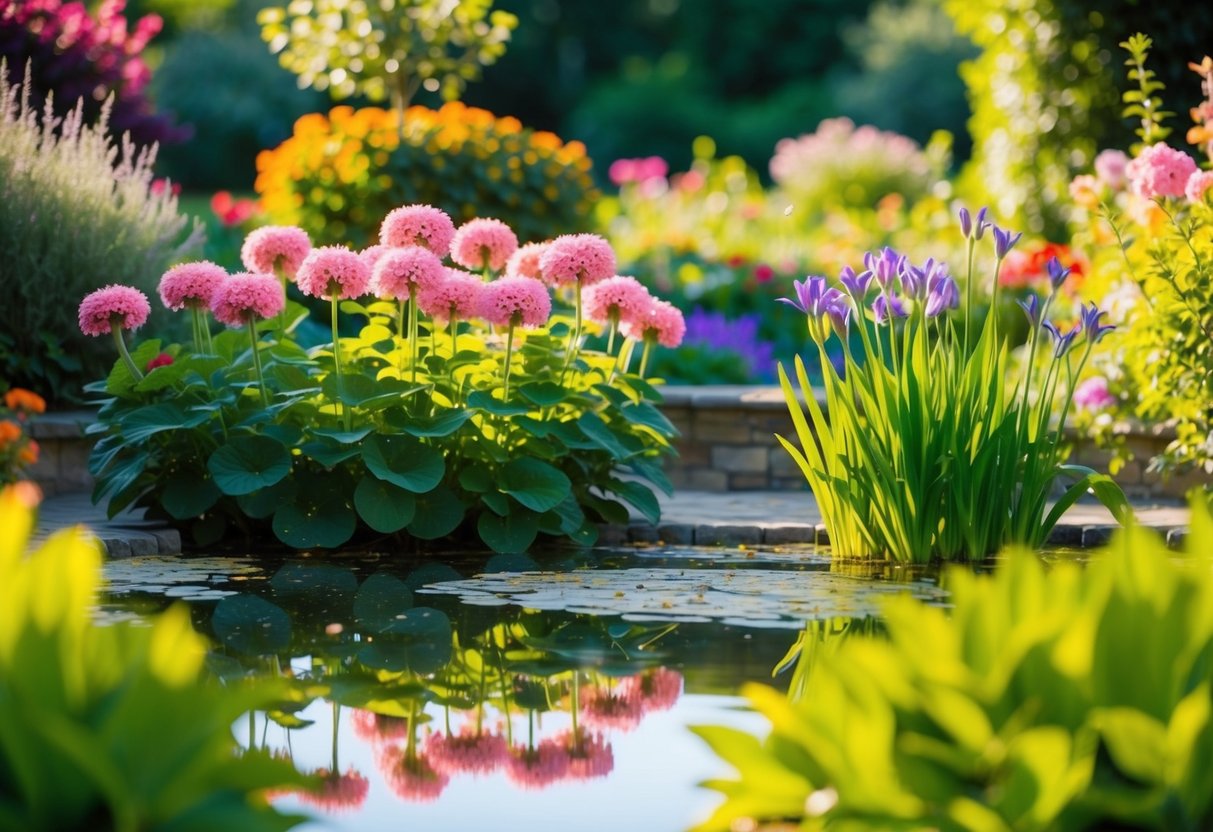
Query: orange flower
(24,400)
(29,454)
(10,432)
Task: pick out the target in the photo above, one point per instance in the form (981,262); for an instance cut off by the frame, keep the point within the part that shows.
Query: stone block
(612,534)
(789,534)
(116,547)
(141,544)
(1065,534)
(1176,538)
(1130,473)
(1095,536)
(745,460)
(692,454)
(676,534)
(749,482)
(763,436)
(168,541)
(720,426)
(707,480)
(781,464)
(643,533)
(711,535)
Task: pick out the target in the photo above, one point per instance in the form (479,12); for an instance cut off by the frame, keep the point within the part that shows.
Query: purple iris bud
(856,284)
(1061,343)
(886,307)
(839,313)
(942,293)
(1031,308)
(980,224)
(966,223)
(1057,273)
(884,266)
(914,281)
(1090,323)
(1004,241)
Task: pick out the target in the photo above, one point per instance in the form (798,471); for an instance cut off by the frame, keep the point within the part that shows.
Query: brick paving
(754,518)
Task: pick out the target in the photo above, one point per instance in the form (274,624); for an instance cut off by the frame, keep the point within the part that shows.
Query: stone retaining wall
(728,444)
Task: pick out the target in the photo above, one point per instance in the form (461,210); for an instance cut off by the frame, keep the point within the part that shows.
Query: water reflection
(421,696)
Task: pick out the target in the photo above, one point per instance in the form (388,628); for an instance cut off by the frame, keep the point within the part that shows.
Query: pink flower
(584,258)
(612,708)
(414,779)
(616,299)
(658,689)
(159,186)
(161,360)
(515,301)
(1198,185)
(374,727)
(525,261)
(1110,168)
(1160,170)
(466,752)
(275,248)
(333,271)
(661,321)
(400,272)
(190,285)
(1084,190)
(1093,394)
(246,297)
(623,171)
(122,306)
(230,211)
(418,225)
(456,295)
(483,243)
(590,756)
(538,767)
(371,254)
(337,792)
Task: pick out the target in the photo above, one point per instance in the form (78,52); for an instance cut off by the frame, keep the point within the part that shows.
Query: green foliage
(111,727)
(1060,697)
(1142,103)
(339,174)
(390,49)
(925,445)
(78,212)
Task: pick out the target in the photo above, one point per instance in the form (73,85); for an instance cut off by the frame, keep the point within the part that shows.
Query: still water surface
(546,693)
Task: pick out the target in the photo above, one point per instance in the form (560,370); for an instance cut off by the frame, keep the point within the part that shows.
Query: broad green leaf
(385,507)
(439,512)
(543,393)
(513,533)
(639,497)
(403,461)
(534,484)
(184,497)
(248,463)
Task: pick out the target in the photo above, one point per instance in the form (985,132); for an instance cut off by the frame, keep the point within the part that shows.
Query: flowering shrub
(459,403)
(1148,226)
(17,450)
(77,55)
(76,211)
(339,174)
(928,451)
(1012,709)
(842,165)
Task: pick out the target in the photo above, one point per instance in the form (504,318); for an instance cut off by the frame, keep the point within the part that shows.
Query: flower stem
(344,408)
(611,335)
(413,329)
(571,355)
(122,350)
(968,302)
(281,273)
(252,335)
(644,356)
(509,355)
(400,330)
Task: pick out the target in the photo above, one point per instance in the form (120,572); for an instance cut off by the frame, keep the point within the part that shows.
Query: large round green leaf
(418,640)
(381,601)
(247,463)
(264,502)
(385,507)
(535,484)
(307,524)
(510,534)
(251,625)
(184,497)
(403,461)
(438,514)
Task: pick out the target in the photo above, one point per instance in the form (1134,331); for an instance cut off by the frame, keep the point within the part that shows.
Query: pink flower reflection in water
(613,708)
(415,779)
(375,728)
(337,792)
(657,689)
(538,767)
(467,751)
(590,755)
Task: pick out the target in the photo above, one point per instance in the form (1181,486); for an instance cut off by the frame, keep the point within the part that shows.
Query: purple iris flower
(970,229)
(839,314)
(1057,273)
(1090,323)
(1031,308)
(886,307)
(884,266)
(856,284)
(1004,241)
(813,296)
(942,293)
(1061,343)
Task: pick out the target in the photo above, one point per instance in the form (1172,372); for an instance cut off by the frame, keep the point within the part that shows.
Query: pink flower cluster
(1160,170)
(401,272)
(617,299)
(246,297)
(418,225)
(1093,394)
(191,285)
(624,171)
(483,244)
(275,248)
(577,258)
(337,792)
(456,296)
(525,261)
(333,271)
(515,301)
(122,306)
(466,752)
(661,322)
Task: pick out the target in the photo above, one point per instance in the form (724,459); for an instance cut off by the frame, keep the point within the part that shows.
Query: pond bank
(754,518)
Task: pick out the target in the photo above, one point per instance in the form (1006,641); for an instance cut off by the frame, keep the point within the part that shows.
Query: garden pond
(549,691)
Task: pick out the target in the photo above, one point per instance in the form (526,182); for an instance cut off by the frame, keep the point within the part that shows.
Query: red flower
(162,360)
(230,211)
(763,273)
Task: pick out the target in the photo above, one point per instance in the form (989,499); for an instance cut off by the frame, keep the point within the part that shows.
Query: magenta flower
(275,249)
(1093,394)
(120,307)
(418,225)
(611,708)
(244,298)
(658,689)
(661,322)
(333,272)
(455,297)
(190,285)
(515,301)
(483,244)
(1198,185)
(619,298)
(400,272)
(525,261)
(577,258)
(1160,170)
(161,360)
